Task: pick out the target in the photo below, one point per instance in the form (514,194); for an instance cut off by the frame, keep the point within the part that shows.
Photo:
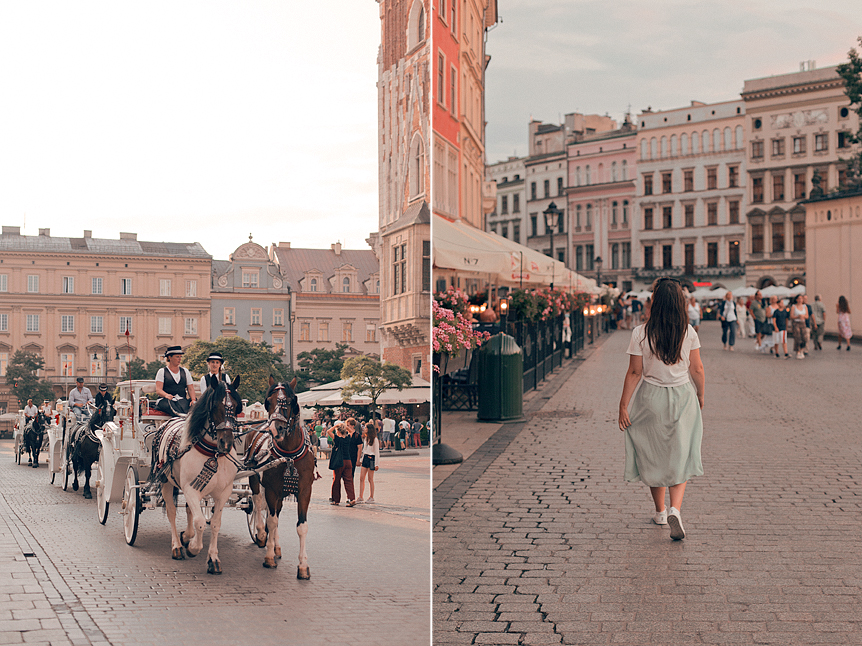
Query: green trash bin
(500,379)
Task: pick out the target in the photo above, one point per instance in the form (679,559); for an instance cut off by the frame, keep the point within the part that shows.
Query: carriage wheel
(131,505)
(102,504)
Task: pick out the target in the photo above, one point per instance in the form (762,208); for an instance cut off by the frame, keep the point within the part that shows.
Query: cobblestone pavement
(68,580)
(549,545)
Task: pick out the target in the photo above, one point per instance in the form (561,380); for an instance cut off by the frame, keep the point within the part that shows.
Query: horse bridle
(229,421)
(284,405)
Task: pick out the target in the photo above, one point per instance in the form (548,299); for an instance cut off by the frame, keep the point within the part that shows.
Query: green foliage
(319,366)
(140,370)
(369,377)
(21,376)
(255,362)
(851,72)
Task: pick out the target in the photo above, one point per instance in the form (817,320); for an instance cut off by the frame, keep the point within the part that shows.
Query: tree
(21,375)
(851,72)
(369,377)
(319,366)
(254,361)
(140,370)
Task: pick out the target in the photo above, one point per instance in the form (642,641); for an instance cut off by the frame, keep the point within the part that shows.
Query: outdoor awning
(464,248)
(330,395)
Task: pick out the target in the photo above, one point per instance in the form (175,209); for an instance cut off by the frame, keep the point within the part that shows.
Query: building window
(67,365)
(799,236)
(821,143)
(712,254)
(534,225)
(453,92)
(4,362)
(67,323)
(345,285)
(4,322)
(96,285)
(733,253)
(370,333)
(732,176)
(579,258)
(68,284)
(777,237)
(516,232)
(312,285)
(347,331)
(278,344)
(626,253)
(712,214)
(799,186)
(191,327)
(4,282)
(756,238)
(688,180)
(615,256)
(757,150)
(96,324)
(647,219)
(255,315)
(625,212)
(124,364)
(589,257)
(799,145)
(532,190)
(667,217)
(843,140)
(191,289)
(689,215)
(323,331)
(733,212)
(757,190)
(587,171)
(648,258)
(426,265)
(666,183)
(667,256)
(589,217)
(278,316)
(516,203)
(648,184)
(97,364)
(164,287)
(441,79)
(778,147)
(559,186)
(32,322)
(504,229)
(778,188)
(399,269)
(614,207)
(547,187)
(688,260)
(33,284)
(504,205)
(229,314)
(250,279)
(126,286)
(165,325)
(561,222)
(305,331)
(417,169)
(125,324)
(711,178)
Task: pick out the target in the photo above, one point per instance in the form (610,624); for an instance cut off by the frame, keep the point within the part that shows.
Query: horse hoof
(74,486)
(188,551)
(269,563)
(260,543)
(183,539)
(278,552)
(303,573)
(177,554)
(213,567)
(88,495)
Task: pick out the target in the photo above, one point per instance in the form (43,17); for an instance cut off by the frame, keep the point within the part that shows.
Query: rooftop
(128,245)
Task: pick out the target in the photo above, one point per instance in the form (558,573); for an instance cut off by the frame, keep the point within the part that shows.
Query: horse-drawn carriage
(29,437)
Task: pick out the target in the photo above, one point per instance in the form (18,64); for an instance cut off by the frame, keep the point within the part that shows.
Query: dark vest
(172,387)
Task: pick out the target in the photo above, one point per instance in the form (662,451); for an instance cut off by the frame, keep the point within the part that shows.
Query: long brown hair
(843,306)
(668,321)
(370,433)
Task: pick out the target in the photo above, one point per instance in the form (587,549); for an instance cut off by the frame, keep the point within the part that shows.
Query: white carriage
(18,436)
(56,441)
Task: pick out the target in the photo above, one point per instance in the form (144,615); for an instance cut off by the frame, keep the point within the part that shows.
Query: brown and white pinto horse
(287,441)
(197,455)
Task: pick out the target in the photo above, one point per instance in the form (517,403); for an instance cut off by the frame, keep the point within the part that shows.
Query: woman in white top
(370,461)
(798,315)
(727,316)
(694,313)
(664,429)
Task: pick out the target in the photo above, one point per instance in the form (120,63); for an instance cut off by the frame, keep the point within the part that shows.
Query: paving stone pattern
(549,545)
(83,585)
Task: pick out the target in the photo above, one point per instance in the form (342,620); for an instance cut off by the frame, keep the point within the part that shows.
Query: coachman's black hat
(174,349)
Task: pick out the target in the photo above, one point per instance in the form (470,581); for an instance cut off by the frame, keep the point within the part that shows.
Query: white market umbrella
(745,291)
(776,290)
(718,292)
(799,289)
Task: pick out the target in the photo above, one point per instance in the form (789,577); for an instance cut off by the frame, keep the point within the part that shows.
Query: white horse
(196,454)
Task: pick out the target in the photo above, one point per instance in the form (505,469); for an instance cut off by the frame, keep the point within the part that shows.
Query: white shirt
(31,410)
(203,382)
(388,425)
(372,450)
(655,371)
(728,309)
(694,311)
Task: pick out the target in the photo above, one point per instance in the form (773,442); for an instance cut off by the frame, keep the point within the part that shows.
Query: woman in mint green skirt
(664,428)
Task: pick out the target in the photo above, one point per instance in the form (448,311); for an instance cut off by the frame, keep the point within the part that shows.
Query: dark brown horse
(284,439)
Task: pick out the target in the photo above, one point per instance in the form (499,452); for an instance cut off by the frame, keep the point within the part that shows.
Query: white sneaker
(359,501)
(370,500)
(799,355)
(660,517)
(674,519)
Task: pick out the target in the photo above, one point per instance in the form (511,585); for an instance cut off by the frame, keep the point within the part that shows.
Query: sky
(188,121)
(552,57)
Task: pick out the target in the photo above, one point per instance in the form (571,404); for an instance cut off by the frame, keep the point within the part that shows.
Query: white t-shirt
(373,451)
(203,382)
(655,371)
(694,311)
(388,425)
(161,375)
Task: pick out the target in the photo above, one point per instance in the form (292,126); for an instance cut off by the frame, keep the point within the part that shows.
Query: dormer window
(312,285)
(345,285)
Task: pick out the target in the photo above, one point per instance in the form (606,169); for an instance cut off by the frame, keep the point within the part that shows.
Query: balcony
(692,273)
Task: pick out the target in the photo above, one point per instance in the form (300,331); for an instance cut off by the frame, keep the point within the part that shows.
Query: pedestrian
(370,462)
(798,315)
(779,321)
(355,437)
(694,313)
(388,431)
(818,313)
(741,317)
(809,323)
(79,400)
(758,313)
(844,330)
(403,431)
(664,429)
(340,465)
(727,316)
(417,433)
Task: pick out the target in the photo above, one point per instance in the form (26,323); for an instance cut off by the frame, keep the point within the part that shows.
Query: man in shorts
(417,433)
(779,320)
(388,430)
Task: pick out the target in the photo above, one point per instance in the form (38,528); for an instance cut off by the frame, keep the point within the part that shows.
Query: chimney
(12,230)
(337,248)
(88,233)
(45,232)
(284,245)
(128,236)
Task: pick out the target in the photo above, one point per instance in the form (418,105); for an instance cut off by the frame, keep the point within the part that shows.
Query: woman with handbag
(664,429)
(341,465)
(370,461)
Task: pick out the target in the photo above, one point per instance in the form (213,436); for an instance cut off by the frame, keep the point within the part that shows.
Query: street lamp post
(598,262)
(552,214)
